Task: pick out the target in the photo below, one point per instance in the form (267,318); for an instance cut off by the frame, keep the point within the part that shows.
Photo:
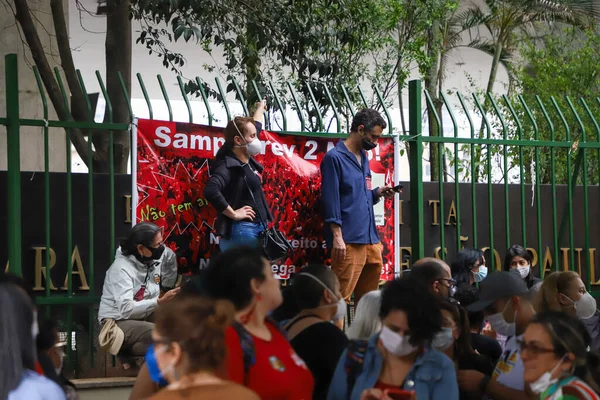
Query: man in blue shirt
(347,200)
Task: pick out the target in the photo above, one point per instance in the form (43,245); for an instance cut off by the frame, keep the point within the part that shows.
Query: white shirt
(509,369)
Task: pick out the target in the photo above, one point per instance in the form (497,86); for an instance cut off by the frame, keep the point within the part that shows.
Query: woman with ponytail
(558,361)
(565,291)
(259,355)
(235,184)
(189,347)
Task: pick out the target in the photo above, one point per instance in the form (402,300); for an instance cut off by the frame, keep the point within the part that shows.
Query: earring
(258,297)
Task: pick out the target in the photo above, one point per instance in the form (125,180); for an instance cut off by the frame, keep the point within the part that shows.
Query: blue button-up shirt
(345,198)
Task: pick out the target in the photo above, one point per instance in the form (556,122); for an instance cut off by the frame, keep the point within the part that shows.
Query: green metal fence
(527,134)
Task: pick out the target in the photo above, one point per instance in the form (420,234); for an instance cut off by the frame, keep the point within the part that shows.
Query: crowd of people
(439,332)
(222,335)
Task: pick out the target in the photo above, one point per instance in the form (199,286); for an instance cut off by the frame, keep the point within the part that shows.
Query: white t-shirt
(509,369)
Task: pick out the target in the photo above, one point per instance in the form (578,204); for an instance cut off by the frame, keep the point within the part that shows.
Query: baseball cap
(496,286)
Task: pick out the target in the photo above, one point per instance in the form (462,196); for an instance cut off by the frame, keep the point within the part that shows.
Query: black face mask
(156,254)
(367,144)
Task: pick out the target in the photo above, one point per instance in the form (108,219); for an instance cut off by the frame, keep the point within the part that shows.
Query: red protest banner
(173,164)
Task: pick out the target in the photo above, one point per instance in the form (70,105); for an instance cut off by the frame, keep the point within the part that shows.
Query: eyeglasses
(451,282)
(533,348)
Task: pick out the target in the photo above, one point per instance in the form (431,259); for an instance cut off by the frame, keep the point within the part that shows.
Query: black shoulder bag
(274,244)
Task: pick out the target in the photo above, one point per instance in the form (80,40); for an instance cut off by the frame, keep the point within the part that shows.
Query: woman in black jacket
(235,184)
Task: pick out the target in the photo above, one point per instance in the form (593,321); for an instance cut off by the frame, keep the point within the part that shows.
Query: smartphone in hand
(399,394)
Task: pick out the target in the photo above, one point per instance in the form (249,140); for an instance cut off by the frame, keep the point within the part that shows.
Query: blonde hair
(555,283)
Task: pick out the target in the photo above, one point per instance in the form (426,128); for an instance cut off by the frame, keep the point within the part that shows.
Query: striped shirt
(571,388)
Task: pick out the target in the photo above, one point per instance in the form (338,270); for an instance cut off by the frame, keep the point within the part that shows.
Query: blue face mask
(481,274)
(153,368)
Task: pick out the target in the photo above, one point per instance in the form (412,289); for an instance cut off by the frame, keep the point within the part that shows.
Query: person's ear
(569,360)
(436,286)
(328,297)
(562,299)
(177,352)
(140,249)
(255,286)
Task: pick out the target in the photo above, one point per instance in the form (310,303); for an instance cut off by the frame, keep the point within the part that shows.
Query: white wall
(32,140)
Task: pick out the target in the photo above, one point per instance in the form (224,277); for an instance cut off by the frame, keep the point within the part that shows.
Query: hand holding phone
(399,394)
(398,188)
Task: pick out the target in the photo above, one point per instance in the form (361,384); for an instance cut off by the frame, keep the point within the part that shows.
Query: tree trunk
(23,17)
(431,83)
(489,89)
(118,59)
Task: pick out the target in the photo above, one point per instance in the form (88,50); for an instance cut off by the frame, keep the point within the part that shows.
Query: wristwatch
(484,384)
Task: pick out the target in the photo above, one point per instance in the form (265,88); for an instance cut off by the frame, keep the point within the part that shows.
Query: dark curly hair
(422,308)
(369,118)
(229,274)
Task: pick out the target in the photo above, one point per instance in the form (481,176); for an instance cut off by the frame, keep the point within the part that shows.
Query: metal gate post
(417,236)
(14,163)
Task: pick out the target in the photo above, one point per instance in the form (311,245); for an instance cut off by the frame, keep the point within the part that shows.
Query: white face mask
(500,325)
(341,310)
(395,343)
(254,147)
(341,303)
(585,307)
(523,271)
(545,381)
(443,339)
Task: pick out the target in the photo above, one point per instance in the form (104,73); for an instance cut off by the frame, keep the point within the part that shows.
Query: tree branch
(66,57)
(23,16)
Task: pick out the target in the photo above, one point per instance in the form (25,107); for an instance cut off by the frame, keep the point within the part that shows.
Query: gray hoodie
(123,280)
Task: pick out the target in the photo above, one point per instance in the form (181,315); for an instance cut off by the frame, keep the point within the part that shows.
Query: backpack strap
(247,344)
(355,359)
(274,323)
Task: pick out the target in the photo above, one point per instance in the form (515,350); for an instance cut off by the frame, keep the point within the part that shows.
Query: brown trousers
(360,271)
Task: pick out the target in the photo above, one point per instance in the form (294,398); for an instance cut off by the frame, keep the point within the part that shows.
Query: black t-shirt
(474,362)
(255,183)
(320,346)
(486,346)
